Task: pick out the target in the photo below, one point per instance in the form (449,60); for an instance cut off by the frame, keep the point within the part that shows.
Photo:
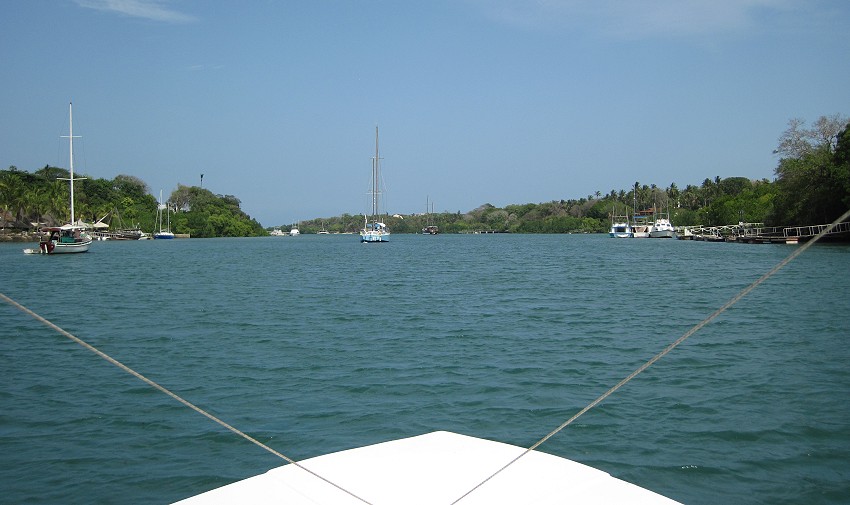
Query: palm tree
(673,193)
(12,194)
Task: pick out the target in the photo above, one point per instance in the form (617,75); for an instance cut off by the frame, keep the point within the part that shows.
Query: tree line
(29,200)
(811,186)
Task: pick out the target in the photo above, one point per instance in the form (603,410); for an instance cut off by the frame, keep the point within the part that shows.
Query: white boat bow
(433,469)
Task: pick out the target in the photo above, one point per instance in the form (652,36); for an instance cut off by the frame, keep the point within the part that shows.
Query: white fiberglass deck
(433,469)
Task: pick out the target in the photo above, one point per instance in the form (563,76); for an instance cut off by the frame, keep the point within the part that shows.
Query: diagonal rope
(173,395)
(744,292)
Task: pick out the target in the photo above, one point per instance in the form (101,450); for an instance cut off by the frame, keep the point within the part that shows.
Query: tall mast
(71,155)
(375,177)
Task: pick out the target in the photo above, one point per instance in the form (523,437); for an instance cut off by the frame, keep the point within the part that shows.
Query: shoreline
(18,236)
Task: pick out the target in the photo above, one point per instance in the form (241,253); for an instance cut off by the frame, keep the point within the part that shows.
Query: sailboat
(72,237)
(166,233)
(430,228)
(375,231)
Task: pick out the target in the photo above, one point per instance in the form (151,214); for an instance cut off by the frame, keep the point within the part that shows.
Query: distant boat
(120,232)
(277,232)
(163,233)
(642,224)
(620,227)
(323,231)
(662,228)
(375,231)
(294,231)
(430,228)
(72,237)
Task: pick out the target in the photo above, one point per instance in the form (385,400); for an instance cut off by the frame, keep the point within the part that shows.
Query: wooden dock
(757,233)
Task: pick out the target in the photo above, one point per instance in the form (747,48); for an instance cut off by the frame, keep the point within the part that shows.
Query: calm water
(314,344)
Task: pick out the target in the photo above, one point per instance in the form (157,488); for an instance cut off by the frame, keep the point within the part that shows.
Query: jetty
(757,233)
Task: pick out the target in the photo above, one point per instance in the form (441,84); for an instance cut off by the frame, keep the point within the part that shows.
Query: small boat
(69,238)
(642,224)
(641,220)
(430,228)
(293,232)
(62,240)
(620,227)
(437,467)
(163,233)
(277,232)
(323,231)
(662,228)
(375,231)
(642,230)
(102,231)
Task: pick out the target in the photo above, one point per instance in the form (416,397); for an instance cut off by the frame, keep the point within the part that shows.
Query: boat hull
(43,248)
(374,237)
(77,247)
(662,234)
(163,236)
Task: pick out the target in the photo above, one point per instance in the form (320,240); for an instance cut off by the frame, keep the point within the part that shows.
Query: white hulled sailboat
(71,237)
(375,231)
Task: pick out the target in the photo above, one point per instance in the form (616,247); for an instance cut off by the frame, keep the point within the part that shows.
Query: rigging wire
(666,350)
(168,392)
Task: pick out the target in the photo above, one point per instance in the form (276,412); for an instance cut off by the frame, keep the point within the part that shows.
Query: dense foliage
(812,186)
(30,199)
(813,177)
(718,201)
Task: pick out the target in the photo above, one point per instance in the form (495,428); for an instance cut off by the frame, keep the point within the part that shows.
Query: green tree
(812,177)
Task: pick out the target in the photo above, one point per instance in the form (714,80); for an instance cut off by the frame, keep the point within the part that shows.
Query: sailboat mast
(159,212)
(71,154)
(375,177)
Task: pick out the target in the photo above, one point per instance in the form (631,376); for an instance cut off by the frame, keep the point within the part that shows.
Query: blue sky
(478,101)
